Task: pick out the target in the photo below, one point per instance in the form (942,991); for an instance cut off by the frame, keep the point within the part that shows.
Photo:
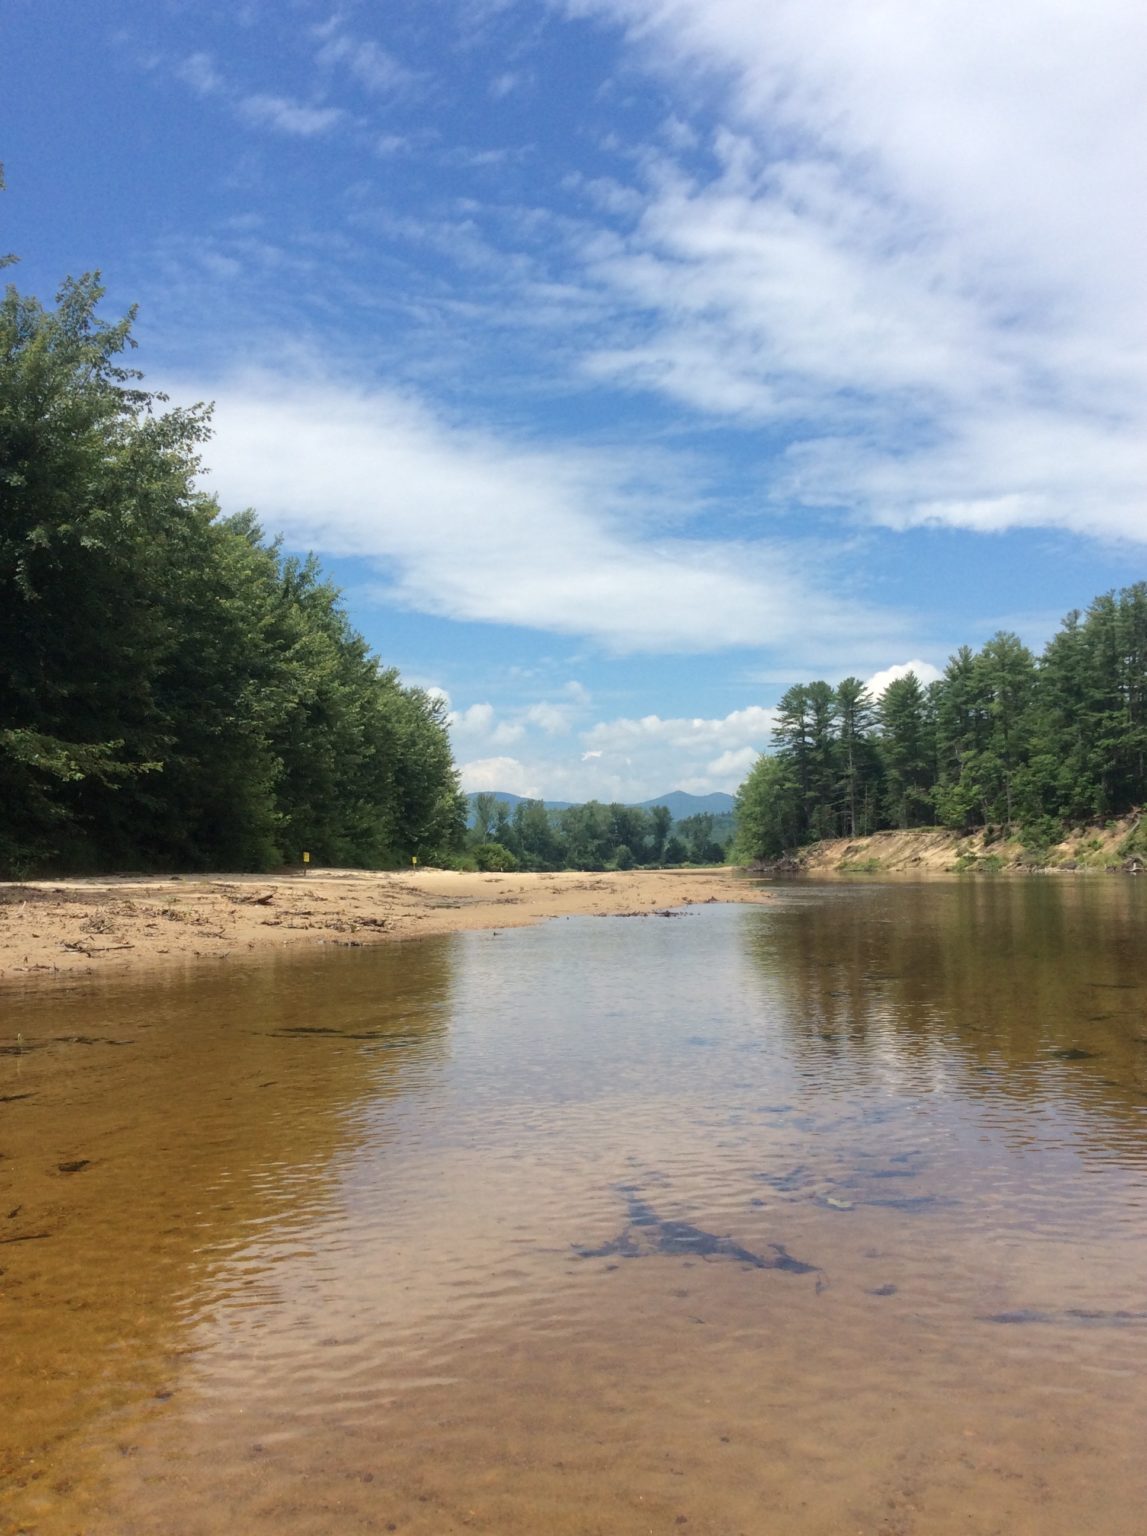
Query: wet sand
(125,922)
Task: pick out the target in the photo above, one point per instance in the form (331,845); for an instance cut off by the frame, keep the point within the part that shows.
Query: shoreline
(113,924)
(929,851)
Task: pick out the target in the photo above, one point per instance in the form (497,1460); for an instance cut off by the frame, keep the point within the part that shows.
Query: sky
(626,361)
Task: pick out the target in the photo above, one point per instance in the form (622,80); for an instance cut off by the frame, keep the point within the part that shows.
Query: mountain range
(678,802)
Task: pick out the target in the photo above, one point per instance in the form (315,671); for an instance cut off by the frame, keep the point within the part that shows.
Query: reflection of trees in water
(214,1137)
(1006,983)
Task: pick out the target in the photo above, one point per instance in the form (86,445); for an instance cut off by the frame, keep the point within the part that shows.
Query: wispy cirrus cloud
(199,72)
(284,115)
(466,524)
(366,61)
(914,245)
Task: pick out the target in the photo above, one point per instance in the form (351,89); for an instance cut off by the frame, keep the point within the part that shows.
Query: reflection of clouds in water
(403,1152)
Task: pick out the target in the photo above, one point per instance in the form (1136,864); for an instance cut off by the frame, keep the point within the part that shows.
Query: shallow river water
(823,1217)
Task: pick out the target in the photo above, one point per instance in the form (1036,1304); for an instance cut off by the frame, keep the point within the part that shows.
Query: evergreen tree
(908,751)
(173,691)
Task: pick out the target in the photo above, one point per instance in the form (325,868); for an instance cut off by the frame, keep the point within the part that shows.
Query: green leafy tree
(174,691)
(769,811)
(660,824)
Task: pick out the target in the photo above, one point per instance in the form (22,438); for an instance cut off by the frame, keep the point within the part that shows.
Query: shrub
(495,857)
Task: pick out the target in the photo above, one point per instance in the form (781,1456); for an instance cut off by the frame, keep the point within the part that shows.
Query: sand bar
(65,927)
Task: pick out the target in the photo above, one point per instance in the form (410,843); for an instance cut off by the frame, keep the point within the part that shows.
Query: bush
(495,858)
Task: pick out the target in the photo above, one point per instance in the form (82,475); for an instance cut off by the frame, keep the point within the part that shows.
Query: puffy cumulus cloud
(650,755)
(624,759)
(554,719)
(733,764)
(925,673)
(479,728)
(505,773)
(753,724)
(915,243)
(451,514)
(478,718)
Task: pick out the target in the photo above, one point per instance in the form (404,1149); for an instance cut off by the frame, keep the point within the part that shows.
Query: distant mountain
(677,802)
(504,797)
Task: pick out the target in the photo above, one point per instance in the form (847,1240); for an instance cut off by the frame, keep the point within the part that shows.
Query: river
(823,1217)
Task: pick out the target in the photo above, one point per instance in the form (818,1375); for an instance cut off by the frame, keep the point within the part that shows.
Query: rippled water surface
(823,1217)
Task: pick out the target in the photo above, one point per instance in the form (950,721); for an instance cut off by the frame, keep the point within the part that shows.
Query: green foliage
(1134,845)
(1001,742)
(769,811)
(173,691)
(595,836)
(492,856)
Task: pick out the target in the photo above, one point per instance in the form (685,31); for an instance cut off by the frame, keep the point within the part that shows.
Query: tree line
(175,691)
(533,836)
(1003,739)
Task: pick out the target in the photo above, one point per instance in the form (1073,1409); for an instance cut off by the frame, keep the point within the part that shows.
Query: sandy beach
(65,927)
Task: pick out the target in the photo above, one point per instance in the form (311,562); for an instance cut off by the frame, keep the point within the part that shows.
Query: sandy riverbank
(937,850)
(67,926)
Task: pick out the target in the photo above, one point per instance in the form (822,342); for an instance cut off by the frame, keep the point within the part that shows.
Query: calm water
(826,1217)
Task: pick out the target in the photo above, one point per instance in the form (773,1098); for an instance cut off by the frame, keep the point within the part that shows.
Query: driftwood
(94,949)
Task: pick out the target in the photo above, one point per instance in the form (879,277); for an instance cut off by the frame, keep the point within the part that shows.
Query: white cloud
(505,773)
(733,764)
(626,759)
(553,719)
(470,526)
(627,735)
(198,71)
(479,717)
(478,729)
(634,758)
(372,66)
(290,117)
(918,247)
(925,673)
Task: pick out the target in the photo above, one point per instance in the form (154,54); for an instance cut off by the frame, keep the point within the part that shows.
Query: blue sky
(627,360)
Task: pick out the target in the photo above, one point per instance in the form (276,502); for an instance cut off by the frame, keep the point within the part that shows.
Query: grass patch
(969,863)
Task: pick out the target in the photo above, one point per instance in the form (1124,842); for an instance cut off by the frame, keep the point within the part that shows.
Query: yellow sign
(414,860)
(306,858)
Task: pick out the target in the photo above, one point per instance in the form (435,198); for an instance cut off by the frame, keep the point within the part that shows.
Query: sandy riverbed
(63,927)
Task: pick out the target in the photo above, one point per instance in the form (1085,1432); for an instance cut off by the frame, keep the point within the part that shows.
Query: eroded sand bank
(69,926)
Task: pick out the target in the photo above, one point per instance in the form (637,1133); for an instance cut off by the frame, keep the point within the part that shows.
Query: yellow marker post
(414,859)
(306,861)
